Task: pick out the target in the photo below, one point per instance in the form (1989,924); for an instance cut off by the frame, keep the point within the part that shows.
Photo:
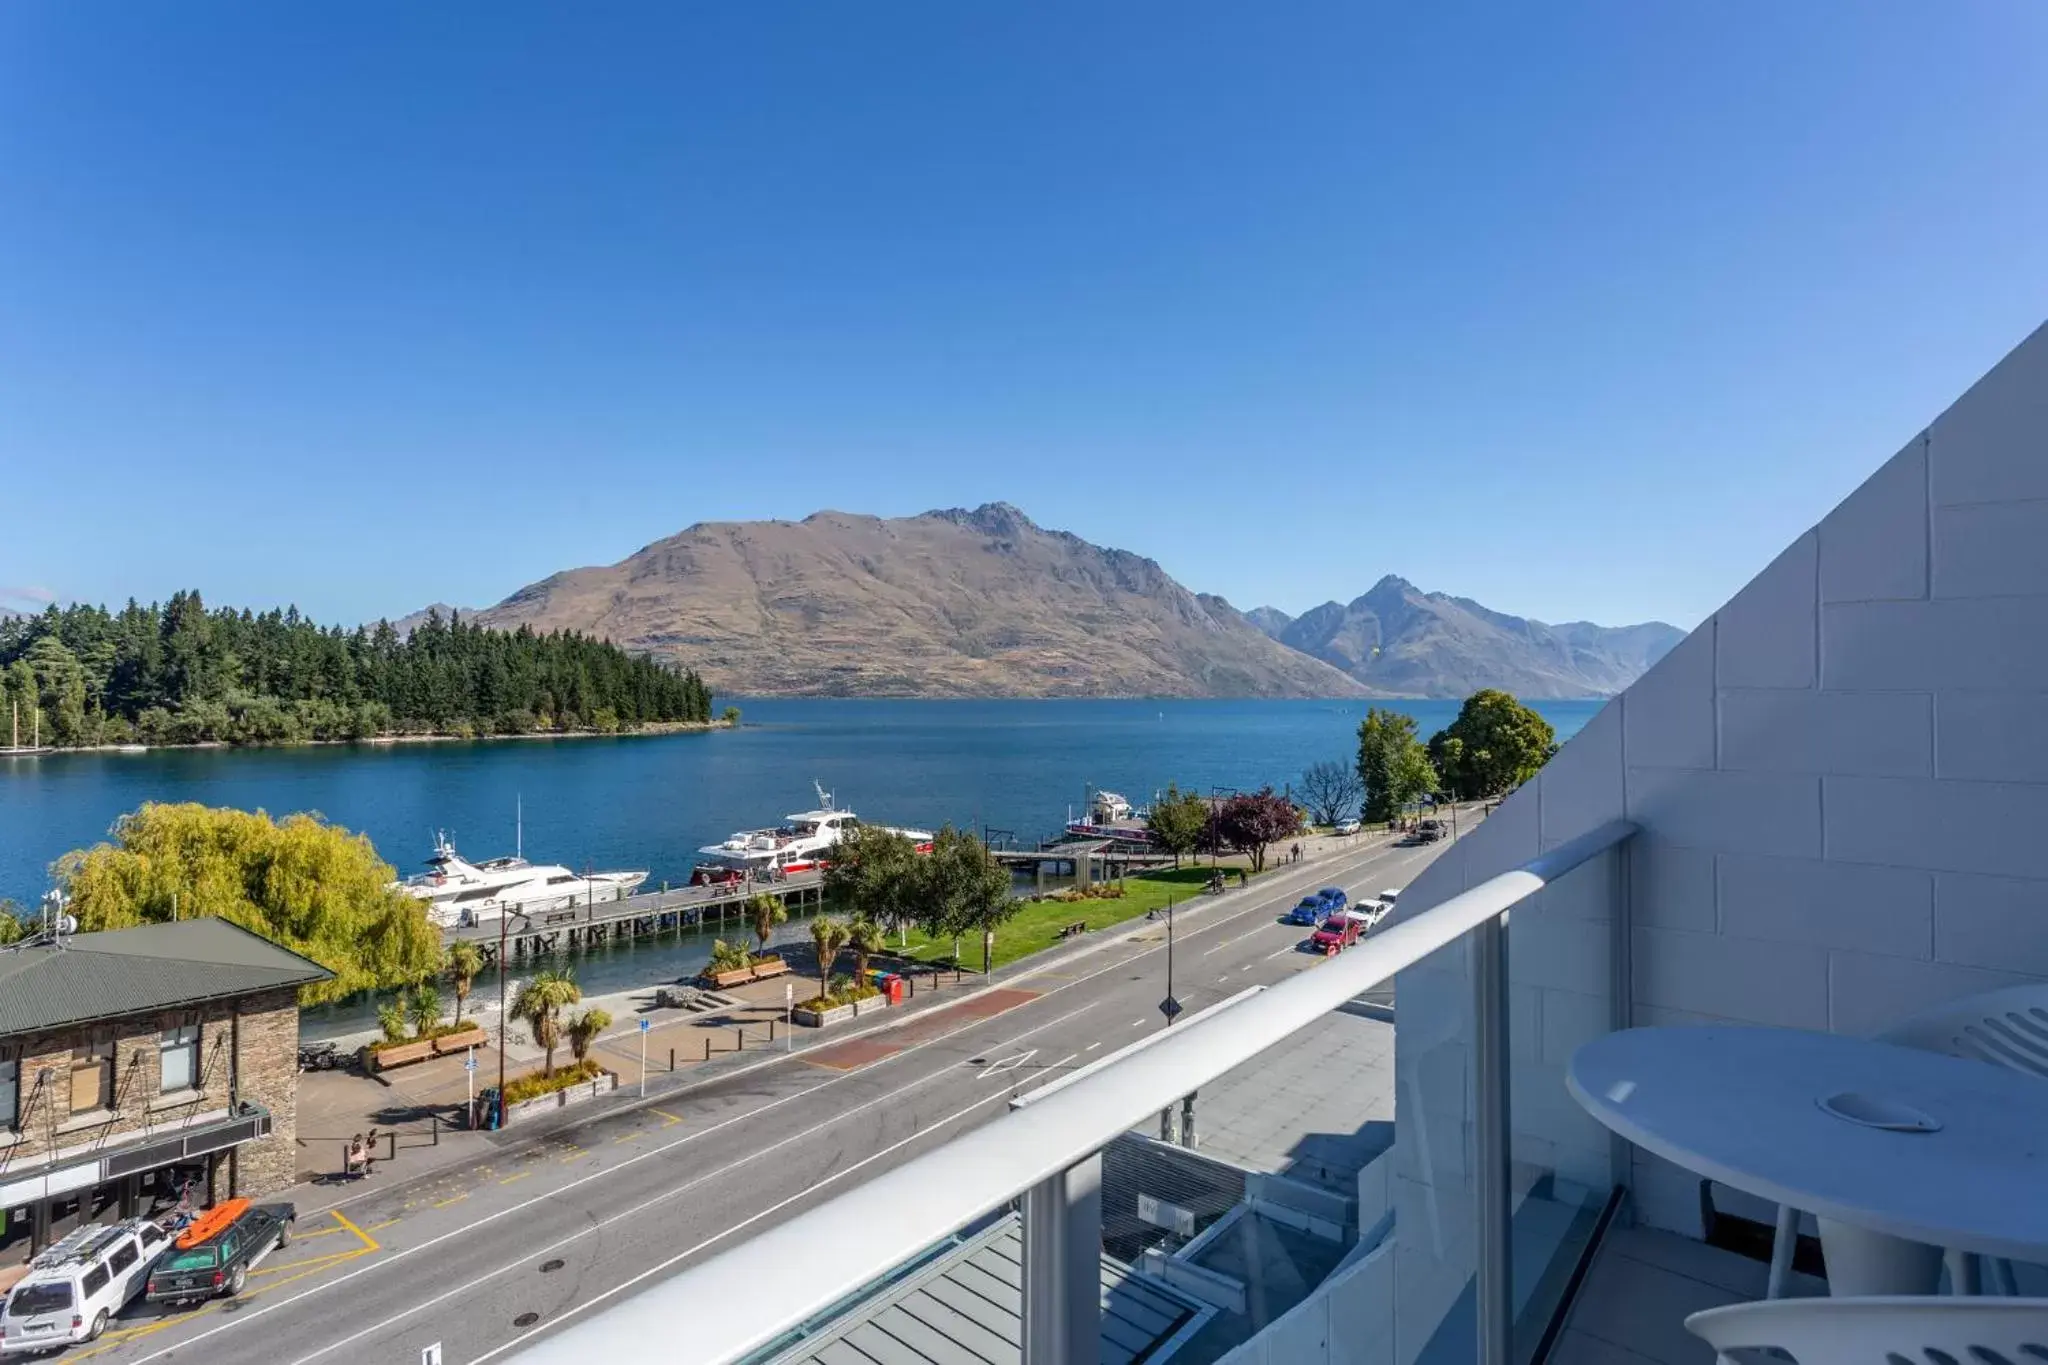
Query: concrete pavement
(527,1234)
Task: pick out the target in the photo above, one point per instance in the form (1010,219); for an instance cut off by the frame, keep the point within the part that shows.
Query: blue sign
(644,1026)
(469,1063)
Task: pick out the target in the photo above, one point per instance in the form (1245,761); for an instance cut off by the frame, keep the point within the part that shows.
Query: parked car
(1348,827)
(215,1255)
(83,1279)
(1368,913)
(1338,933)
(1391,895)
(1310,911)
(1332,897)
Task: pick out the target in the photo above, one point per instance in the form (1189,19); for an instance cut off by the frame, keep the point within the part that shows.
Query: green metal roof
(88,977)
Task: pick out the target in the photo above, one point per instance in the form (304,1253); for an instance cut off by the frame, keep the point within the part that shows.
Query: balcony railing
(1469,1170)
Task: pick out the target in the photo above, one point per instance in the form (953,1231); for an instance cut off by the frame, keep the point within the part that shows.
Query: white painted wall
(1842,780)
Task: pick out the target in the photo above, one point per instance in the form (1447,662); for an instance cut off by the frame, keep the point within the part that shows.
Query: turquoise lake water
(652,801)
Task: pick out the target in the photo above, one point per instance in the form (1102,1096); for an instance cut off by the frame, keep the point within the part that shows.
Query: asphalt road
(485,1258)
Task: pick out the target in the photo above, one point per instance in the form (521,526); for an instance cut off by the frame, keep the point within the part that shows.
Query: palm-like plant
(425,1009)
(465,963)
(828,936)
(391,1018)
(584,1030)
(865,937)
(767,912)
(540,1003)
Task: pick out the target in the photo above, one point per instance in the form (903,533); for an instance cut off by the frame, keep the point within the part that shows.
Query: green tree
(584,1030)
(425,1009)
(1392,764)
(866,939)
(1178,821)
(465,962)
(13,922)
(1494,746)
(731,715)
(961,889)
(766,911)
(300,882)
(874,875)
(393,1018)
(828,936)
(540,1003)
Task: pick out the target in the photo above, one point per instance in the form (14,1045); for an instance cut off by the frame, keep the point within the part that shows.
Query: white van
(80,1282)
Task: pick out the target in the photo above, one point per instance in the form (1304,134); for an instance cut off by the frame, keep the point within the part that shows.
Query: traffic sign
(644,1026)
(1169,1007)
(469,1063)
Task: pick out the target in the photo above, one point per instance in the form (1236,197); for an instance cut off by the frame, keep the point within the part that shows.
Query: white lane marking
(685,1254)
(1091,1047)
(397,1256)
(1010,1063)
(1137,1023)
(1290,948)
(1223,978)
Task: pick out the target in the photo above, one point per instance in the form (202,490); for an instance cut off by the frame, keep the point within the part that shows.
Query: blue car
(1310,911)
(1332,898)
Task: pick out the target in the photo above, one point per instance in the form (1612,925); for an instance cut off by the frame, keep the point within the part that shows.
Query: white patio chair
(1890,1331)
(2007,1028)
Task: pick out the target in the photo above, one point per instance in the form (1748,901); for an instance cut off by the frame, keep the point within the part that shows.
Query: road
(541,1232)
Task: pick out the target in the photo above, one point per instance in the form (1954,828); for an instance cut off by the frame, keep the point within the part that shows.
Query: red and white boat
(801,843)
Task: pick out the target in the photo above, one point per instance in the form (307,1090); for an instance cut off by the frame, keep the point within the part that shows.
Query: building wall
(1841,778)
(260,1065)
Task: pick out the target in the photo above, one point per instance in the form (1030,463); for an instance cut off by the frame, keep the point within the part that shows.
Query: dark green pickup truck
(220,1265)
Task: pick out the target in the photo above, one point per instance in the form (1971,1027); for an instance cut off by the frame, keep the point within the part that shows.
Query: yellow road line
(451,1199)
(510,1178)
(385,1224)
(369,1242)
(630,1137)
(310,1262)
(668,1119)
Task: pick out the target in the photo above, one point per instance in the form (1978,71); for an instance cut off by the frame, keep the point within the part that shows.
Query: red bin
(892,986)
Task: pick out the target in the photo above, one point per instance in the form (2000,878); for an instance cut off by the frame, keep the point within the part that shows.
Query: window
(92,1077)
(95,1280)
(123,1257)
(151,1235)
(10,1093)
(178,1056)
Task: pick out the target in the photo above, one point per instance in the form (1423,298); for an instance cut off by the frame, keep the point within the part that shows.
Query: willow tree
(302,883)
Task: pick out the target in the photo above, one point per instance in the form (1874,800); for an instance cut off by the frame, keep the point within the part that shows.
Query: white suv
(81,1281)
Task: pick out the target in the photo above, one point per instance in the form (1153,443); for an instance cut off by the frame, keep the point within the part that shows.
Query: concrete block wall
(1841,778)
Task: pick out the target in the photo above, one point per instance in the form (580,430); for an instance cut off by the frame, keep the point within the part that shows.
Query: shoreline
(650,730)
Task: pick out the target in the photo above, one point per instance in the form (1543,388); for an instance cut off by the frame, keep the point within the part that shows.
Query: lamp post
(504,923)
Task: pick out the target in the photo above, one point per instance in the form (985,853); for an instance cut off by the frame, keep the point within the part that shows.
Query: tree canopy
(301,882)
(1178,821)
(1393,766)
(1330,791)
(177,673)
(1249,822)
(962,890)
(1494,745)
(873,876)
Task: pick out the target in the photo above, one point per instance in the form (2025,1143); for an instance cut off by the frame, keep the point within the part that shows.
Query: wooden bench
(1079,926)
(774,966)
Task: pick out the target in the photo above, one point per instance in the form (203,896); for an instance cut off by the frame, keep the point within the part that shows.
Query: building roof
(133,971)
(967,1309)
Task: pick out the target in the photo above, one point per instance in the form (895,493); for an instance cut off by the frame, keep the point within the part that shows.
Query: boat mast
(518,825)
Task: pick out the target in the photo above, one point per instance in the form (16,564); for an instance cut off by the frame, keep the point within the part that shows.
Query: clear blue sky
(1582,310)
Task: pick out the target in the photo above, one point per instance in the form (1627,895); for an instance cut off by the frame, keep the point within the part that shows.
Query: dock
(678,910)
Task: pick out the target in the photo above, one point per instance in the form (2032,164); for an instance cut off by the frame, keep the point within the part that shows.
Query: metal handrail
(821,1256)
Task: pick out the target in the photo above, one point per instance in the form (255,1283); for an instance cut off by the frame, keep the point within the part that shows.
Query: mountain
(1273,621)
(947,604)
(411,621)
(1401,641)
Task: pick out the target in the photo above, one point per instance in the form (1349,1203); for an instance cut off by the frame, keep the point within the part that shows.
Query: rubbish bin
(892,987)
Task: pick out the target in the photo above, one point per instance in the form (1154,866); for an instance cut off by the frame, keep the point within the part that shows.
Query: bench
(1079,926)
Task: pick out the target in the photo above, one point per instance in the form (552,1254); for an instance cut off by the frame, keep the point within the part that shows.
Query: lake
(651,801)
(634,802)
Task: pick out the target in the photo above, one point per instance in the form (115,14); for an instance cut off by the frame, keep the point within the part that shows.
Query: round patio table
(1914,1145)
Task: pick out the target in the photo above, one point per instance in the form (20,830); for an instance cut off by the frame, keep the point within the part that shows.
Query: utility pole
(504,922)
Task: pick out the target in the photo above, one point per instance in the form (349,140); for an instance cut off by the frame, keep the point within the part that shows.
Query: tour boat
(801,843)
(460,893)
(1110,816)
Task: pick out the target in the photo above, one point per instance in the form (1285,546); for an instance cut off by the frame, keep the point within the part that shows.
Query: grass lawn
(1036,926)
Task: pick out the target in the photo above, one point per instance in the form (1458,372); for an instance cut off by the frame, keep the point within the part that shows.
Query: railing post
(1491,1129)
(1063,1266)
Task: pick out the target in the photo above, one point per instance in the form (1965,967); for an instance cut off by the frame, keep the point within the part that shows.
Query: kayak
(213,1221)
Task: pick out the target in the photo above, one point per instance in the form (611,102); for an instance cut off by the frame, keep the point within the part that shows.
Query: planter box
(580,1093)
(739,976)
(401,1055)
(460,1042)
(813,1019)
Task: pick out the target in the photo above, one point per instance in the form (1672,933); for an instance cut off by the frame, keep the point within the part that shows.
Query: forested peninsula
(177,673)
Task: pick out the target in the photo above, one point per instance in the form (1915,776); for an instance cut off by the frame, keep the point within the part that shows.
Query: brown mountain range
(980,603)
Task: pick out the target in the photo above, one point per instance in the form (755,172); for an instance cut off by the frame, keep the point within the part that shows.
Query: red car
(1338,933)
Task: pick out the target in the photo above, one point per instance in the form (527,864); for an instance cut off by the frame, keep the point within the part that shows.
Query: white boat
(801,843)
(461,893)
(1110,816)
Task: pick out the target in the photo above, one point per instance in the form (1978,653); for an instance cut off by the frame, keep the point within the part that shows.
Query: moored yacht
(459,892)
(801,843)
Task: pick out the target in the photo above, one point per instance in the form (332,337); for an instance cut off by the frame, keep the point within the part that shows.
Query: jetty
(678,910)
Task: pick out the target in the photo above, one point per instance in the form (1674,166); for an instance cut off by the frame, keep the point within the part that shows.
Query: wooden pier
(650,914)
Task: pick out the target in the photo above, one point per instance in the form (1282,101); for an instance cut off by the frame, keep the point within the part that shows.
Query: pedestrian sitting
(355,1158)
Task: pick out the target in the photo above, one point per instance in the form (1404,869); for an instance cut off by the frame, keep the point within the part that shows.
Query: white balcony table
(1880,1143)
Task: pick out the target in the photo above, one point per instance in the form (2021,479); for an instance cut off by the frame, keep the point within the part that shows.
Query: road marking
(1223,978)
(1006,1064)
(374,1226)
(628,1137)
(1091,1047)
(1247,967)
(575,1153)
(684,1255)
(1290,948)
(1137,1023)
(369,1242)
(451,1199)
(607,1172)
(668,1120)
(510,1178)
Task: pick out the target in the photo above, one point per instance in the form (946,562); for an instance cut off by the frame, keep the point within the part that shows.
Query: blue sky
(1581,310)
